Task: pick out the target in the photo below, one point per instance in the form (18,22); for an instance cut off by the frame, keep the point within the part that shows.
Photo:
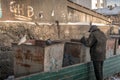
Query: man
(97,43)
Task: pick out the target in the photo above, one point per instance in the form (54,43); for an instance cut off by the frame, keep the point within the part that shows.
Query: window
(96,4)
(102,5)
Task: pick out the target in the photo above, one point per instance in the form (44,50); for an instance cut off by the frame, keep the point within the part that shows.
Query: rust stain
(25,65)
(18,55)
(73,50)
(28,55)
(37,57)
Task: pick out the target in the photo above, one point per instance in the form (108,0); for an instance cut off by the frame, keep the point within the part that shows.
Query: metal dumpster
(75,53)
(35,58)
(53,57)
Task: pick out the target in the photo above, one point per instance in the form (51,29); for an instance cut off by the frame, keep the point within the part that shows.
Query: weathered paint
(28,59)
(53,58)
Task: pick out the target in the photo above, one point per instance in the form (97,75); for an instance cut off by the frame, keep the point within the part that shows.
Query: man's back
(98,49)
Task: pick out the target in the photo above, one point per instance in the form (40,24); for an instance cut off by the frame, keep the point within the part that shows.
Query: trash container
(53,57)
(28,59)
(37,57)
(75,53)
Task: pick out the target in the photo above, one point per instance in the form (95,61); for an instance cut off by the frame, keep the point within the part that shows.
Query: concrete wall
(34,10)
(37,11)
(79,16)
(12,32)
(85,3)
(18,13)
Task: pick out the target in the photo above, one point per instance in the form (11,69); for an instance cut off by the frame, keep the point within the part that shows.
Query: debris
(22,40)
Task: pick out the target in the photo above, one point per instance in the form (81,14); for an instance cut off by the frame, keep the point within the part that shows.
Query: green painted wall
(79,71)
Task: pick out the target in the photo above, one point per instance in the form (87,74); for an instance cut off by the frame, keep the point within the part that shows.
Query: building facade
(92,4)
(60,19)
(97,4)
(111,3)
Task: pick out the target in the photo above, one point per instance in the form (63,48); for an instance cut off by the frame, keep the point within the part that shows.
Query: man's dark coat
(97,43)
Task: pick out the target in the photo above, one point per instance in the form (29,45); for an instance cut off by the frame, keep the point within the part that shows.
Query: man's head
(93,28)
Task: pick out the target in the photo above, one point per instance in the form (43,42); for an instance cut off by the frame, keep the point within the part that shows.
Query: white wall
(98,2)
(94,2)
